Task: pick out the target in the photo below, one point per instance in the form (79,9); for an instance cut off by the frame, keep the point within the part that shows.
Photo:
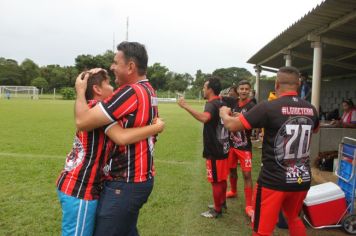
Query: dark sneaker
(223,207)
(211,214)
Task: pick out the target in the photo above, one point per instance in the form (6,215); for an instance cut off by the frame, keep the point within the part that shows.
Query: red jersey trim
(214,98)
(291,93)
(243,103)
(316,129)
(208,114)
(244,122)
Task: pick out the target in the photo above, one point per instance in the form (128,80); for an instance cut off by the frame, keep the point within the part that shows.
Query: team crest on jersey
(222,135)
(238,140)
(292,149)
(76,156)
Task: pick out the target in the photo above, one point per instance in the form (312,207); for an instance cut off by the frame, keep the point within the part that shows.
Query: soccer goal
(26,92)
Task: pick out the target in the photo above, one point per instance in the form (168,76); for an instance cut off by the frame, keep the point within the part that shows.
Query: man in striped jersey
(130,168)
(79,183)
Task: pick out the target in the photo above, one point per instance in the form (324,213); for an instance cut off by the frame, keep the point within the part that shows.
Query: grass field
(35,137)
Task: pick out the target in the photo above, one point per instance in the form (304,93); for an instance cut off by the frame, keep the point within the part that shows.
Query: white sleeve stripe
(105,112)
(109,127)
(117,99)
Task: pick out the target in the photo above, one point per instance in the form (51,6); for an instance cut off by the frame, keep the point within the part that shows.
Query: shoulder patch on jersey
(154,101)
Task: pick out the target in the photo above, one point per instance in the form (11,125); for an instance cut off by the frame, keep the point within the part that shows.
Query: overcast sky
(184,35)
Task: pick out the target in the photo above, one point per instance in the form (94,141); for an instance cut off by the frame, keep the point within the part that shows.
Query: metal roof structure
(333,23)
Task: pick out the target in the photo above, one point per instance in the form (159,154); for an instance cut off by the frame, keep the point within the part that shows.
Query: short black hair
(243,82)
(136,52)
(214,84)
(95,79)
(289,70)
(292,77)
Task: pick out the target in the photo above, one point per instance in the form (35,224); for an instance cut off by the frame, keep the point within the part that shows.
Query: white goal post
(9,92)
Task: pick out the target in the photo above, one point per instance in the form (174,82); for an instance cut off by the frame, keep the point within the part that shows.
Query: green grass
(37,134)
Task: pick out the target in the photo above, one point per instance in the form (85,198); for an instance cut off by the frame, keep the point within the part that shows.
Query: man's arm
(200,116)
(86,118)
(127,136)
(232,123)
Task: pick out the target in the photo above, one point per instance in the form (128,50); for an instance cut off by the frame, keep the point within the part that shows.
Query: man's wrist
(80,95)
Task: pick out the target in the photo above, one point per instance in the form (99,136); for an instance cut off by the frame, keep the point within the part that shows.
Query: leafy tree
(68,93)
(178,82)
(30,71)
(232,75)
(85,62)
(10,72)
(40,83)
(157,75)
(71,74)
(55,76)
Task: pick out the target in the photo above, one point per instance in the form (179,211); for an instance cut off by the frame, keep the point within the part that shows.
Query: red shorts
(244,157)
(217,170)
(267,205)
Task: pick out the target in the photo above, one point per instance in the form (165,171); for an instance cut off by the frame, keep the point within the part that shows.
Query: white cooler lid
(322,193)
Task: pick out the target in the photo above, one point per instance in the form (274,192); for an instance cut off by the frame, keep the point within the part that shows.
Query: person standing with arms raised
(215,142)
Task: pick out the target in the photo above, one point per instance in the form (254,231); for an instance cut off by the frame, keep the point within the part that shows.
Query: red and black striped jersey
(83,171)
(133,105)
(242,139)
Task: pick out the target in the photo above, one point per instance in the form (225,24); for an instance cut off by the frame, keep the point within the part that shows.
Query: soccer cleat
(231,194)
(223,207)
(211,214)
(249,211)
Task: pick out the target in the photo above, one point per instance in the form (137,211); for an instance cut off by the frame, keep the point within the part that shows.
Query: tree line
(48,77)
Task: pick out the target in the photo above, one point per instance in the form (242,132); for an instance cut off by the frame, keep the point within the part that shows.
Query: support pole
(258,76)
(288,59)
(316,82)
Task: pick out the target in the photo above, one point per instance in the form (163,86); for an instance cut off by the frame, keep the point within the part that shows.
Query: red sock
(248,196)
(233,184)
(223,191)
(216,196)
(219,194)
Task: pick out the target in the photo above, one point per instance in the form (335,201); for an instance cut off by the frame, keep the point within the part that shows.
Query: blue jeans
(119,207)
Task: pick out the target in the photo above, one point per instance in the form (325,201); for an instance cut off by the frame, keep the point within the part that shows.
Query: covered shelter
(323,44)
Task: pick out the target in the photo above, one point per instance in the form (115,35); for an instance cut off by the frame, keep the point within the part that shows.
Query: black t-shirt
(242,139)
(289,122)
(215,136)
